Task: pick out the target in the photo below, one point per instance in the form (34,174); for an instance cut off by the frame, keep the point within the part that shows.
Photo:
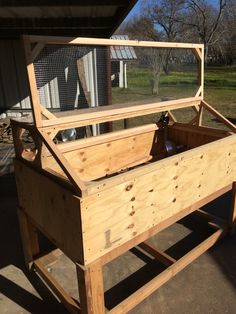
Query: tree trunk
(155,84)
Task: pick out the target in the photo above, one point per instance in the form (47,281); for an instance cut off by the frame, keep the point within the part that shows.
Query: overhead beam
(59,22)
(111,42)
(50,31)
(61,3)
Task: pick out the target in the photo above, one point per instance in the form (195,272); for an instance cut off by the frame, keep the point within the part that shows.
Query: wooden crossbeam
(79,185)
(110,42)
(115,112)
(166,275)
(69,303)
(219,116)
(162,257)
(50,258)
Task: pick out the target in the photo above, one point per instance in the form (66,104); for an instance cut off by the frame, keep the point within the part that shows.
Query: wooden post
(232,218)
(29,238)
(35,103)
(121,75)
(90,281)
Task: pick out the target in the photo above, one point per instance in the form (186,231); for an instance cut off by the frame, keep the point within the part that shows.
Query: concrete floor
(208,285)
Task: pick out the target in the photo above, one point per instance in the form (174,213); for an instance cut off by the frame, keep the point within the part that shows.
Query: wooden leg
(232,218)
(90,281)
(29,238)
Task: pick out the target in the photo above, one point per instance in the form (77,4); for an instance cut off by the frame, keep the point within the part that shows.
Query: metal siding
(122,52)
(56,89)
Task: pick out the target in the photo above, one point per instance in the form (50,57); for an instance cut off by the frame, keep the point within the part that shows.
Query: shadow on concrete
(223,253)
(12,255)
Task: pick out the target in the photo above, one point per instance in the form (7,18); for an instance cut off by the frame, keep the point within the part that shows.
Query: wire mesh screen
(71,77)
(157,75)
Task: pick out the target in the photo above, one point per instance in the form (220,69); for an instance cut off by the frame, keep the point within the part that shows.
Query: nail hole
(129,187)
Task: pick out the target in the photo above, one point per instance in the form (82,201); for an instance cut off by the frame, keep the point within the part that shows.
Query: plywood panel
(193,136)
(154,193)
(54,209)
(97,161)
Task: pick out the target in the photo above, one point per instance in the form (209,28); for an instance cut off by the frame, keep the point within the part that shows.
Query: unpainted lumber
(106,138)
(113,113)
(52,208)
(57,289)
(109,42)
(97,161)
(167,274)
(79,185)
(229,143)
(91,291)
(219,116)
(32,82)
(29,238)
(164,258)
(36,50)
(194,136)
(145,201)
(46,113)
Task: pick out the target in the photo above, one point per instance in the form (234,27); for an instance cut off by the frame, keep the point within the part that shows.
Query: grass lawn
(220,91)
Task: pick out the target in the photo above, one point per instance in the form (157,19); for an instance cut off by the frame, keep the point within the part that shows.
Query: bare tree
(227,45)
(204,20)
(194,20)
(166,16)
(142,28)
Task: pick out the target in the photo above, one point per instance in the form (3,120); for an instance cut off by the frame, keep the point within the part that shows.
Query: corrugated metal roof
(122,52)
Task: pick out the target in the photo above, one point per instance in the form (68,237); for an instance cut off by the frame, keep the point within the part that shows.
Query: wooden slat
(113,113)
(172,117)
(202,71)
(29,238)
(50,258)
(91,291)
(213,221)
(46,113)
(199,91)
(164,258)
(63,296)
(199,116)
(112,156)
(32,82)
(219,116)
(36,50)
(166,275)
(204,130)
(106,138)
(64,164)
(199,53)
(110,42)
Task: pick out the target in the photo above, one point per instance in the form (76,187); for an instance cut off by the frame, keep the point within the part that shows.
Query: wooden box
(98,197)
